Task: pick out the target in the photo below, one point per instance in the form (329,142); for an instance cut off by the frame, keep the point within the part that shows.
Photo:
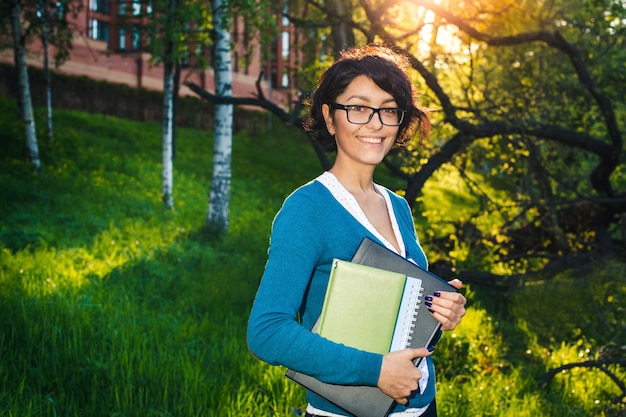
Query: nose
(377,121)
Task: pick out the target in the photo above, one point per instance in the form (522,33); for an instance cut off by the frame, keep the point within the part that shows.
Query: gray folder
(368,401)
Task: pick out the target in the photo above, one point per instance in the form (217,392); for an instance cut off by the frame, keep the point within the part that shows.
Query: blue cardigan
(309,231)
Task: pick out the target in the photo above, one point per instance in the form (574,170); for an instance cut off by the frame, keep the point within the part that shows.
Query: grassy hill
(112,306)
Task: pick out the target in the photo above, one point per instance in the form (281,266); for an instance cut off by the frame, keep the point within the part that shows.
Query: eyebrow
(368,99)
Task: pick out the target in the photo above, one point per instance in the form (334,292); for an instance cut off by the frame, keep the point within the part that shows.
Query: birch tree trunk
(167,187)
(219,195)
(168,132)
(24,85)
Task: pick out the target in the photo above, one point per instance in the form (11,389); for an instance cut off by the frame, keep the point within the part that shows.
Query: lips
(371,140)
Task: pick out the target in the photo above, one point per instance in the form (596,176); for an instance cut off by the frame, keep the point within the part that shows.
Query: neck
(357,183)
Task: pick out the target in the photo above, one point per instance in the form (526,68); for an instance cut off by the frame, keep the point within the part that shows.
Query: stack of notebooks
(373,303)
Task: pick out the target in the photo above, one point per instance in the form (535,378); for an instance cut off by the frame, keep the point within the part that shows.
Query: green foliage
(494,363)
(55,16)
(308,75)
(112,306)
(107,298)
(170,25)
(260,18)
(518,176)
(175,27)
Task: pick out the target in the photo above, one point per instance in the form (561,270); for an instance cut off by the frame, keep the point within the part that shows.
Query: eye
(358,109)
(390,111)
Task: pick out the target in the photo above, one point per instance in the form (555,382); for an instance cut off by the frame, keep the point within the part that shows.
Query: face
(367,143)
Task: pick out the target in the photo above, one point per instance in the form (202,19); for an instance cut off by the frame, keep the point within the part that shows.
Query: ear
(330,125)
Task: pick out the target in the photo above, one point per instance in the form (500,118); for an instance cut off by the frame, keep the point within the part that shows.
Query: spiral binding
(408,314)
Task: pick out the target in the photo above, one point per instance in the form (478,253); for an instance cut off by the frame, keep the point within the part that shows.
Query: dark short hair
(388,70)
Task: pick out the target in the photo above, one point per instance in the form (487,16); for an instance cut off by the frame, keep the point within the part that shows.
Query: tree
(524,117)
(219,195)
(341,12)
(176,30)
(24,96)
(257,18)
(167,187)
(525,113)
(181,30)
(48,21)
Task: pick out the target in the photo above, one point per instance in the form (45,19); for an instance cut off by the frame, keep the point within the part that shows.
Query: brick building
(108,40)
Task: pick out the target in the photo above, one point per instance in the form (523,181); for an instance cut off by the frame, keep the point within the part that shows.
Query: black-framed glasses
(360,115)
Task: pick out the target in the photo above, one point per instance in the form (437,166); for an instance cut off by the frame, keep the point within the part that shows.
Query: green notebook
(362,305)
(412,328)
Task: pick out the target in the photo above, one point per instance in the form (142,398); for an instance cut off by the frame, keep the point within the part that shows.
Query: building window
(136,38)
(121,9)
(100,6)
(285,13)
(98,30)
(285,80)
(136,7)
(284,44)
(122,39)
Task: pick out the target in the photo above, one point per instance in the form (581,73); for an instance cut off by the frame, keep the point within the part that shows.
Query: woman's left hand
(447,307)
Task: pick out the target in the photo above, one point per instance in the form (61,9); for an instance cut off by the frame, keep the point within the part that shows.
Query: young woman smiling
(364,106)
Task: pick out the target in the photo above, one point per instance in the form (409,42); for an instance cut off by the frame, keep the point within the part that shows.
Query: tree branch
(602,172)
(247,101)
(502,281)
(598,364)
(260,101)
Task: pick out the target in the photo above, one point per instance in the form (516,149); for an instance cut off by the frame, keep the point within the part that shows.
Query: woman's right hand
(398,375)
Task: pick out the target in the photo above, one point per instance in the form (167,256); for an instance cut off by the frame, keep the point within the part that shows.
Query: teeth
(371,140)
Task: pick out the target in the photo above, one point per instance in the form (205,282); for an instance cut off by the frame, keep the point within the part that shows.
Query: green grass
(112,306)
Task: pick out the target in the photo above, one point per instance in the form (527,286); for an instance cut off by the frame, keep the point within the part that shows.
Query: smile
(370,140)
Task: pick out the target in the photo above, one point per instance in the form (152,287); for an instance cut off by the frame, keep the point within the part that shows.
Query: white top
(347,200)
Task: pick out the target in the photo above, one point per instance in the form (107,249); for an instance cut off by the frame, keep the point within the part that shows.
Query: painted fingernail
(429,298)
(428,304)
(432,311)
(437,294)
(430,348)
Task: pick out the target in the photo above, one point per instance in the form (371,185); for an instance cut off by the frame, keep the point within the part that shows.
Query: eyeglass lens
(362,115)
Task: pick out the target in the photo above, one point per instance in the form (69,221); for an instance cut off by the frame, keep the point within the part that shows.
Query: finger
(456,283)
(442,304)
(446,304)
(449,319)
(447,308)
(446,322)
(454,297)
(421,352)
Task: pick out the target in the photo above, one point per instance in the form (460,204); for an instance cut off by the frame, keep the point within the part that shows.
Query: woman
(362,108)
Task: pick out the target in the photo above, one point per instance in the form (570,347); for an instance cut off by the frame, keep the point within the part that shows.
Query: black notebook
(368,401)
